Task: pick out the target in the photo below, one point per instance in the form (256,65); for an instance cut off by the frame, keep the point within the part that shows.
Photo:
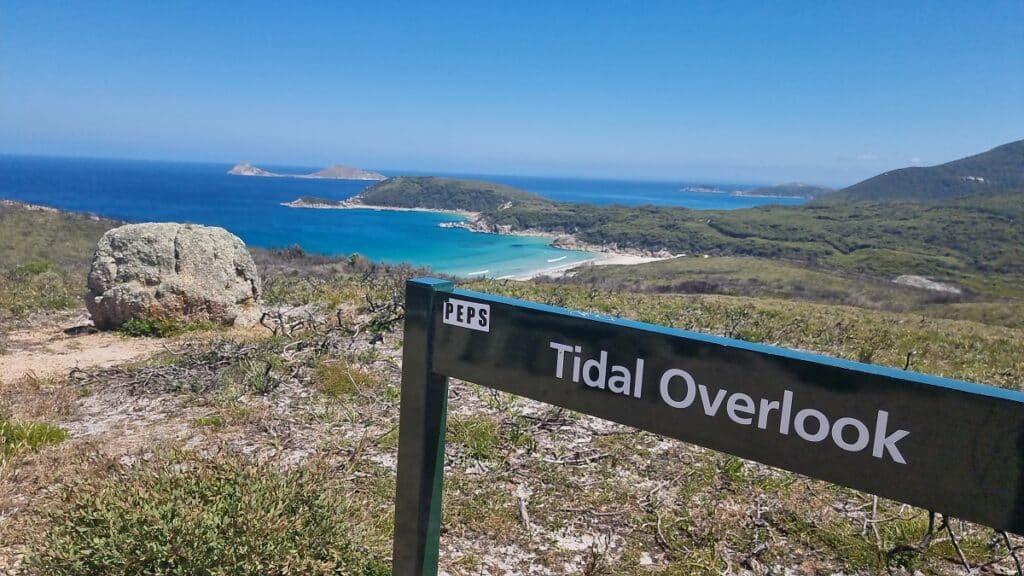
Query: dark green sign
(943,445)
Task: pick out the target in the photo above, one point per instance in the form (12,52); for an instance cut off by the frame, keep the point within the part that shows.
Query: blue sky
(826,92)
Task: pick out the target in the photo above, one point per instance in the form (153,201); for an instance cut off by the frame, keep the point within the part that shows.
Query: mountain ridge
(998,169)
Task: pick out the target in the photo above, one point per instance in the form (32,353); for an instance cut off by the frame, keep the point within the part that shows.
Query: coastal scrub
(223,516)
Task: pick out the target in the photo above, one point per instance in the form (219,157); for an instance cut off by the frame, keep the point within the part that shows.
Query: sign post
(943,445)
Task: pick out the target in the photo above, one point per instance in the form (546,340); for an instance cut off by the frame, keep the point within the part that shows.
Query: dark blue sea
(140,191)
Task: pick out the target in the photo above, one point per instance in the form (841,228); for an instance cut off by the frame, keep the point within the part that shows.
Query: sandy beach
(346,205)
(605,255)
(602,259)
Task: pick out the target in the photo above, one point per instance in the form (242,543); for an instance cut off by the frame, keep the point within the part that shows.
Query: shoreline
(603,255)
(348,205)
(602,259)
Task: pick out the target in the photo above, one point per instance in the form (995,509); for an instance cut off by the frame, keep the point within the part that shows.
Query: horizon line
(424,172)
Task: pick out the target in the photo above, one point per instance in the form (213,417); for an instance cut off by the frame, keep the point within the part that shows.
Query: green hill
(1001,168)
(437,193)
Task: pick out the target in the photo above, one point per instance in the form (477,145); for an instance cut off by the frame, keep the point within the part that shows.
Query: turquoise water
(139,191)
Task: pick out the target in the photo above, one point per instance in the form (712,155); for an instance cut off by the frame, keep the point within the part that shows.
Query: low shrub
(161,327)
(36,286)
(227,516)
(31,436)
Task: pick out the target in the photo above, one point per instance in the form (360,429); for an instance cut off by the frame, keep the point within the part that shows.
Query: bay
(250,207)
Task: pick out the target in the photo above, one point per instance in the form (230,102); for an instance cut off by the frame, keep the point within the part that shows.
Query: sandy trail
(45,350)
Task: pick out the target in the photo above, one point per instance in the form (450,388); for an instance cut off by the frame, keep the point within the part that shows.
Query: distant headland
(789,190)
(335,172)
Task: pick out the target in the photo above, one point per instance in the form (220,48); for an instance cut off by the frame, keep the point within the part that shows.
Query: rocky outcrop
(335,172)
(172,271)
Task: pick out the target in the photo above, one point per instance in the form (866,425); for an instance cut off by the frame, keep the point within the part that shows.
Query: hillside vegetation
(764,278)
(974,240)
(446,194)
(44,258)
(998,169)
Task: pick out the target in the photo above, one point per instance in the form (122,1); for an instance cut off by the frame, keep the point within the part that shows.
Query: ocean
(250,207)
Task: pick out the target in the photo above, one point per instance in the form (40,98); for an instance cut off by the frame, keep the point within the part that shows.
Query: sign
(947,446)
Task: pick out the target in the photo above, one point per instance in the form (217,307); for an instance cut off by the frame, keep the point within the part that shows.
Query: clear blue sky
(761,91)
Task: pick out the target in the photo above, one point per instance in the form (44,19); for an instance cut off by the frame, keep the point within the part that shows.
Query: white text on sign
(677,388)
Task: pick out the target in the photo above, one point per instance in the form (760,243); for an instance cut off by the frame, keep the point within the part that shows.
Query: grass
(66,240)
(221,516)
(764,278)
(38,286)
(17,437)
(479,436)
(755,277)
(44,258)
(341,380)
(215,421)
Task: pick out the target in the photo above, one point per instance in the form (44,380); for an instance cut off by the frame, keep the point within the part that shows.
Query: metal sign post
(939,444)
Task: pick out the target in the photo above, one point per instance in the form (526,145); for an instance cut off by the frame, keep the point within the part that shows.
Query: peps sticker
(467,314)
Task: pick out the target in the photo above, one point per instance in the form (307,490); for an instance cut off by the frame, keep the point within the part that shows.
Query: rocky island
(246,169)
(334,172)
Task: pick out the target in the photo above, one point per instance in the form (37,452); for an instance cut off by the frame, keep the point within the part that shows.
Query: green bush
(28,436)
(227,516)
(160,327)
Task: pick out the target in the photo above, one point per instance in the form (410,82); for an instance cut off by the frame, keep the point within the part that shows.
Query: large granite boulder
(172,271)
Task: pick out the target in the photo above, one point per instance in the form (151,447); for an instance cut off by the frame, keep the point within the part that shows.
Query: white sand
(603,259)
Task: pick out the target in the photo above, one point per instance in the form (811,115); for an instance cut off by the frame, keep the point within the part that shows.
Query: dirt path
(46,349)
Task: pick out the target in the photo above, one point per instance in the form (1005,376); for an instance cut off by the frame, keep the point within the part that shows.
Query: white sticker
(467,314)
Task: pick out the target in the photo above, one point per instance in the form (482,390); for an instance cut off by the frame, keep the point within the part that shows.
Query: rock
(926,284)
(172,271)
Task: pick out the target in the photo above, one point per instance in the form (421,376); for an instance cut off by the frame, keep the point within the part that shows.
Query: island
(246,169)
(334,172)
